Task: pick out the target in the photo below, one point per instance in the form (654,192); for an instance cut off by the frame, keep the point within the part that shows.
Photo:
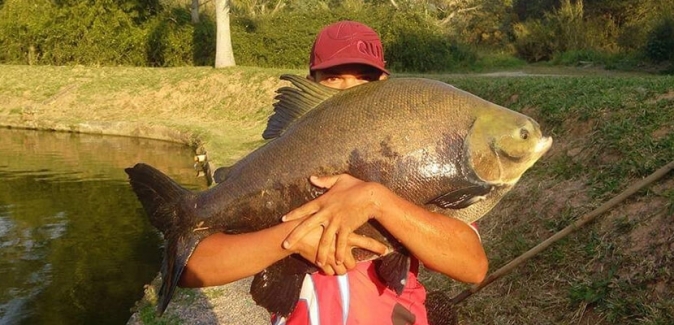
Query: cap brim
(342,61)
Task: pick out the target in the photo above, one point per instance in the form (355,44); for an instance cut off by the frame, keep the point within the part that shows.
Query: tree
(224,55)
(195,11)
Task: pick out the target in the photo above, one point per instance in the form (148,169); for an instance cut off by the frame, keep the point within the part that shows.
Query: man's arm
(443,244)
(221,258)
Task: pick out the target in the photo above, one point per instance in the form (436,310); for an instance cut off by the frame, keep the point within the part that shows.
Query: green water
(75,245)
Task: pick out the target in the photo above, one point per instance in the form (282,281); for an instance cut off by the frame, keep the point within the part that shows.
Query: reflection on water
(75,245)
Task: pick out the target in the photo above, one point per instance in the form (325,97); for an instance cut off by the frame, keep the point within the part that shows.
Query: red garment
(358,297)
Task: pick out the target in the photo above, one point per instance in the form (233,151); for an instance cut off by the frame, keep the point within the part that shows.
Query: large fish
(430,143)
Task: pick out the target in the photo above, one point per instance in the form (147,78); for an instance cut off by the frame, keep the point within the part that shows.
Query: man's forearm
(222,258)
(443,244)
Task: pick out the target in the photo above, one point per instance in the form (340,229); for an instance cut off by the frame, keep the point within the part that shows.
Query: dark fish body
(427,141)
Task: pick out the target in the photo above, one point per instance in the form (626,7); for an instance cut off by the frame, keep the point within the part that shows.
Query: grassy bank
(609,132)
(224,110)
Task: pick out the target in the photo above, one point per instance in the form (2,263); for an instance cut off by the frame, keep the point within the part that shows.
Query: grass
(224,108)
(610,130)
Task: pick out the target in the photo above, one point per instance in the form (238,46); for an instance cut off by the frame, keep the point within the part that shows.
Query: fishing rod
(564,232)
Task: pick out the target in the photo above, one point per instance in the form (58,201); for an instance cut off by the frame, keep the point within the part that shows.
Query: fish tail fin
(158,194)
(162,200)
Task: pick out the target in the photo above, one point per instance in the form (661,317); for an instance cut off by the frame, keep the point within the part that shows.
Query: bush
(564,30)
(204,42)
(264,42)
(22,27)
(632,37)
(118,32)
(170,39)
(533,41)
(660,41)
(82,33)
(413,44)
(490,61)
(92,34)
(103,33)
(577,57)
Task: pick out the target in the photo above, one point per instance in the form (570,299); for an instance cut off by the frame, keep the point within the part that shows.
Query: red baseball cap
(347,42)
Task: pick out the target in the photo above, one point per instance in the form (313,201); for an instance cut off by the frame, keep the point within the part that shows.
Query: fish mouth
(543,145)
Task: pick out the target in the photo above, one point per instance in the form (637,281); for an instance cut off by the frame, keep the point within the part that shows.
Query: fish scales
(368,144)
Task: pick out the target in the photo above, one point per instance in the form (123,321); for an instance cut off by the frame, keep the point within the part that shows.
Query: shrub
(564,29)
(92,34)
(22,26)
(534,41)
(413,44)
(103,32)
(126,32)
(660,41)
(82,33)
(577,57)
(170,39)
(204,42)
(264,42)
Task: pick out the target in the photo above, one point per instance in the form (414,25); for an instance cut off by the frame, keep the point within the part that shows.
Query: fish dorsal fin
(293,103)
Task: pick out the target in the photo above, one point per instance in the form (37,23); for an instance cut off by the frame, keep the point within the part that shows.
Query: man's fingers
(327,269)
(341,246)
(326,244)
(302,229)
(337,268)
(324,182)
(340,269)
(349,261)
(305,210)
(367,243)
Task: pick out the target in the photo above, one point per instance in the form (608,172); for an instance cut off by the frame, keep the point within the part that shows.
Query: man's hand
(347,205)
(307,247)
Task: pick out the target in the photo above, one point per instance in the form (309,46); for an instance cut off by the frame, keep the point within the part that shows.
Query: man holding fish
(346,54)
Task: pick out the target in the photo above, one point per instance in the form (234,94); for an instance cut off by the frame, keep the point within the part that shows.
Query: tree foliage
(660,43)
(418,35)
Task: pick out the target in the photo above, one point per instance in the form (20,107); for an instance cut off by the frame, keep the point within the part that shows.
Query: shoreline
(227,304)
(217,111)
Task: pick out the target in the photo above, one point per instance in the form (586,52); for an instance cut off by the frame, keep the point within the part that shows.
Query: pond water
(75,244)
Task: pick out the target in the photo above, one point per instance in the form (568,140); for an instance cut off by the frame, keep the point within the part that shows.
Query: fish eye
(524,134)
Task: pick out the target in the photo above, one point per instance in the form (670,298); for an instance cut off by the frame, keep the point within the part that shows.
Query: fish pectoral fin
(392,269)
(277,288)
(462,198)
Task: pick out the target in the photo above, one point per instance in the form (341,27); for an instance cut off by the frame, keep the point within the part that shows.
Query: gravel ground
(228,304)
